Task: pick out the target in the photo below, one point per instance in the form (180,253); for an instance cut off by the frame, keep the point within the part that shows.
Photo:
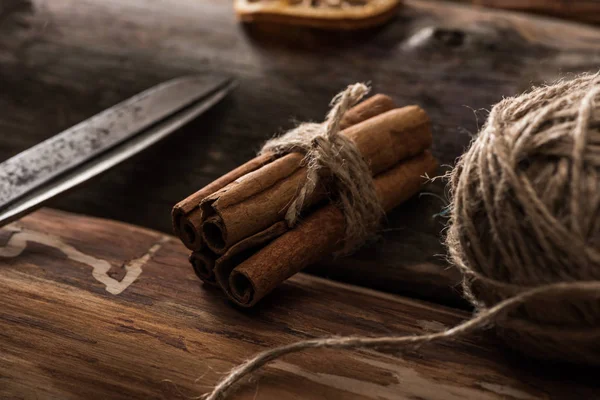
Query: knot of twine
(525,231)
(328,152)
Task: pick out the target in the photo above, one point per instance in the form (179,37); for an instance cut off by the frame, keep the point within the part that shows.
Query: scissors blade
(95,145)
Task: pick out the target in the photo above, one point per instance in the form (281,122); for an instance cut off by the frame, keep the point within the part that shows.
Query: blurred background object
(324,14)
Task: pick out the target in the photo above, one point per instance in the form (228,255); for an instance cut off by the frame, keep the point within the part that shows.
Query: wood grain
(61,61)
(64,336)
(579,10)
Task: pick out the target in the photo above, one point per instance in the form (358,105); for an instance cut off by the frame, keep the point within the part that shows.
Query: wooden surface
(61,61)
(94,309)
(579,10)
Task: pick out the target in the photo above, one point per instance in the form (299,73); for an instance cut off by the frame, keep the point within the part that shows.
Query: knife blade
(95,145)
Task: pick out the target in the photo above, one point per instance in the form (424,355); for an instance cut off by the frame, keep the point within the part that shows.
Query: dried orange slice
(328,14)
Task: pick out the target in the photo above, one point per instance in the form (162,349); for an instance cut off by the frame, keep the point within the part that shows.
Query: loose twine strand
(354,342)
(328,152)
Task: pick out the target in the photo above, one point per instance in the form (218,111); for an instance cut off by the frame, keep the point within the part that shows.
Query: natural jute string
(328,152)
(355,342)
(526,212)
(524,230)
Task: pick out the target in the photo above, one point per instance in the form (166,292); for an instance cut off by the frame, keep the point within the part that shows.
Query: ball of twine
(526,213)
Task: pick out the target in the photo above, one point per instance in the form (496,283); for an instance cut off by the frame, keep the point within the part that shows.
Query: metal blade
(85,150)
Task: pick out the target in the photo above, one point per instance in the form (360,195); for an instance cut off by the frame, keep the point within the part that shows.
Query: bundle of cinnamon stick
(236,227)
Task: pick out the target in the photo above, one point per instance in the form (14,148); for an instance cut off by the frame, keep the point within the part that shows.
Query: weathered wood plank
(579,10)
(70,330)
(63,60)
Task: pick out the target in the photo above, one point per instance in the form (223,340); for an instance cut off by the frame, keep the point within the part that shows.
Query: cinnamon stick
(260,198)
(203,262)
(246,278)
(187,217)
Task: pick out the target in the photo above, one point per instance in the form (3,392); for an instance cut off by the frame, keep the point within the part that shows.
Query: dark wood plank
(72,328)
(64,60)
(578,10)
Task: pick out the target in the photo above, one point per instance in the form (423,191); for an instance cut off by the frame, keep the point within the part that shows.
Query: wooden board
(61,61)
(580,10)
(93,309)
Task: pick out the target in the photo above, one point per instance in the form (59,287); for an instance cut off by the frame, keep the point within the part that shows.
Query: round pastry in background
(324,14)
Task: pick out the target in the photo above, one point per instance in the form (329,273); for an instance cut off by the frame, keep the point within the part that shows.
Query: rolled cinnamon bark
(203,262)
(244,248)
(249,275)
(260,198)
(187,216)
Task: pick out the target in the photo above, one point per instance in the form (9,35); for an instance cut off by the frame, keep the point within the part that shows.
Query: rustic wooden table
(97,309)
(64,60)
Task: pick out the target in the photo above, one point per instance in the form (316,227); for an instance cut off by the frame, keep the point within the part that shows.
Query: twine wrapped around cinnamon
(524,230)
(325,148)
(340,176)
(257,194)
